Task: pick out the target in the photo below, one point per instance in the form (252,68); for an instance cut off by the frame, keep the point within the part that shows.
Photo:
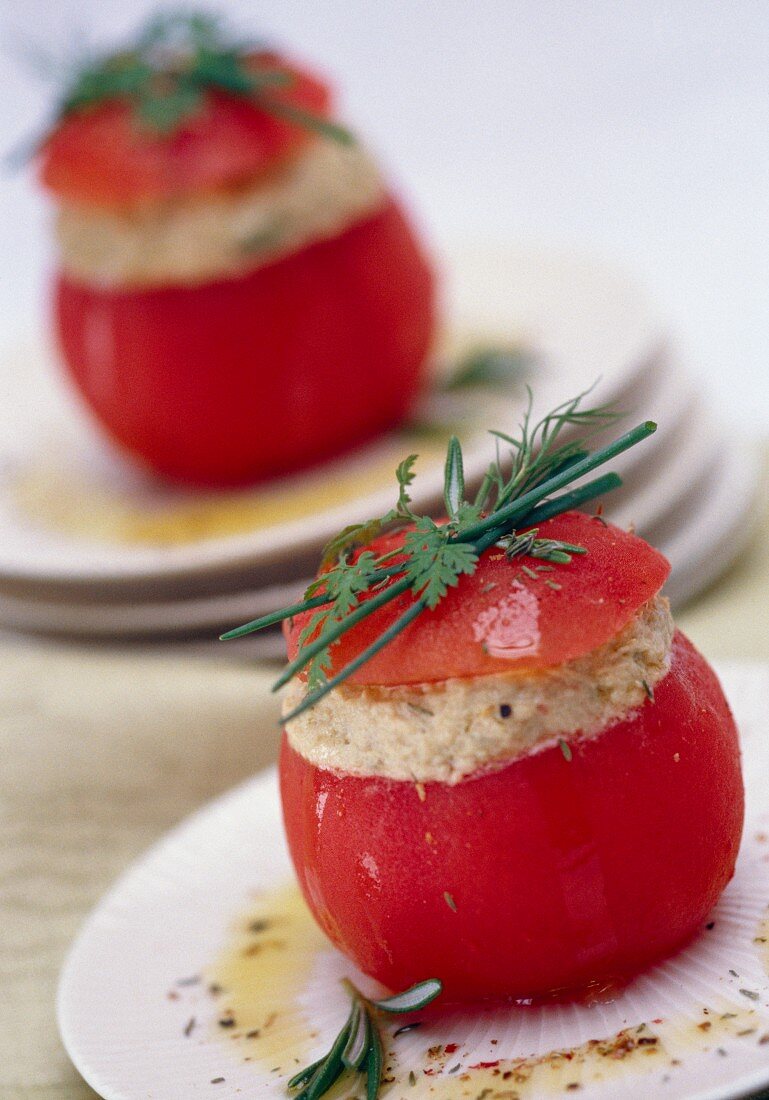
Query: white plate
(156,618)
(584,321)
(674,455)
(701,522)
(716,525)
(171,915)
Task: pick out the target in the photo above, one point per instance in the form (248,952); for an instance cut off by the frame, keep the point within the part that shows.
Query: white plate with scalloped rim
(135,1027)
(584,320)
(679,453)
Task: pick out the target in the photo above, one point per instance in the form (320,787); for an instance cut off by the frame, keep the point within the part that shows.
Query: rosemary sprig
(166,71)
(519,491)
(358,1046)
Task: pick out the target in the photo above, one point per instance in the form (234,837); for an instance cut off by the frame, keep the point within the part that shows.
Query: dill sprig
(358,1046)
(164,73)
(519,491)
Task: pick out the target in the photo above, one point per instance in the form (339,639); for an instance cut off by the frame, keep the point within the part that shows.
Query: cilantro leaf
(405,476)
(433,563)
(344,585)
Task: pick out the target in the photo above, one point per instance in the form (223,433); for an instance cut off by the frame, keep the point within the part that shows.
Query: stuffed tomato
(236,279)
(533,790)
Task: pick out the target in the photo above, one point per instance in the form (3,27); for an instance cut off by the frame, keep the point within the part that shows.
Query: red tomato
(102,157)
(258,375)
(500,615)
(547,875)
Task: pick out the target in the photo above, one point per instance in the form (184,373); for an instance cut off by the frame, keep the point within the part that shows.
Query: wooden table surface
(102,752)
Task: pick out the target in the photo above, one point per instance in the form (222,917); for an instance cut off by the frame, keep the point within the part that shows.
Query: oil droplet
(73,502)
(262,973)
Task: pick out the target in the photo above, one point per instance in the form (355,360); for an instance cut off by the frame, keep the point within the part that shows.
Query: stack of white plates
(92,549)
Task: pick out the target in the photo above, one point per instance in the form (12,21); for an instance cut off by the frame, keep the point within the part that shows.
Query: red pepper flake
(451,1047)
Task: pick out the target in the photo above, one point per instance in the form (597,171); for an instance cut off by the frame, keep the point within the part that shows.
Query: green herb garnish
(358,1046)
(487,367)
(165,72)
(518,492)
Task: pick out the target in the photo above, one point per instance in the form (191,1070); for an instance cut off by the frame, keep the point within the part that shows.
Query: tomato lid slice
(102,156)
(510,614)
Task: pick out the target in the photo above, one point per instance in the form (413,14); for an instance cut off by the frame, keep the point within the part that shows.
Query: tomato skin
(563,873)
(248,377)
(102,157)
(594,597)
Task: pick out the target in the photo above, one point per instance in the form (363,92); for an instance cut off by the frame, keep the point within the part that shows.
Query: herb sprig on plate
(166,71)
(358,1046)
(520,489)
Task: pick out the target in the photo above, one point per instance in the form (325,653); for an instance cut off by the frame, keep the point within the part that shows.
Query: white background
(636,129)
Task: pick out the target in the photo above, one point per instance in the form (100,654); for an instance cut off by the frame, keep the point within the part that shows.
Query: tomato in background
(549,875)
(102,157)
(249,377)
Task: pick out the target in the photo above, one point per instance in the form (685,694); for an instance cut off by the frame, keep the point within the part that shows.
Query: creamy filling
(326,189)
(448,730)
